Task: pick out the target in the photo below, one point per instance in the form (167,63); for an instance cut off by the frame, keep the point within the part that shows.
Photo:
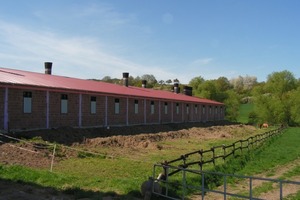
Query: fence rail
(209,156)
(203,189)
(222,151)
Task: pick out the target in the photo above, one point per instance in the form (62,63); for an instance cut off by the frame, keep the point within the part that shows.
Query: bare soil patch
(137,137)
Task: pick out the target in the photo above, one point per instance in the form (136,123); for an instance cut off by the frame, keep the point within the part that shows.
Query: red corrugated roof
(32,79)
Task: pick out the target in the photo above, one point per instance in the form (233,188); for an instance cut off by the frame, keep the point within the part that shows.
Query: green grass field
(245,109)
(97,177)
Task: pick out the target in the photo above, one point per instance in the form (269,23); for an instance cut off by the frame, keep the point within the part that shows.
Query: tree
(169,81)
(295,106)
(196,83)
(273,102)
(279,83)
(107,79)
(151,80)
(232,106)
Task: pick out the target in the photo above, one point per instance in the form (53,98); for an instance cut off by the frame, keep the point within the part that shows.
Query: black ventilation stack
(48,68)
(176,88)
(144,83)
(188,90)
(125,79)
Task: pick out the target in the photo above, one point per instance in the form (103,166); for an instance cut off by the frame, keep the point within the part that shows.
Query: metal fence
(201,188)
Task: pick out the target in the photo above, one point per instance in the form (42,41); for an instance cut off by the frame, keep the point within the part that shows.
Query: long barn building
(30,100)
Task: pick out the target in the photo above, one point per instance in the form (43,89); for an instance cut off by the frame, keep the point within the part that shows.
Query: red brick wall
(177,117)
(136,118)
(2,96)
(152,118)
(89,119)
(116,119)
(20,120)
(58,119)
(166,118)
(37,118)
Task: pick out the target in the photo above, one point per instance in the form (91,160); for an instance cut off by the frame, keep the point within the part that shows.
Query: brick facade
(51,109)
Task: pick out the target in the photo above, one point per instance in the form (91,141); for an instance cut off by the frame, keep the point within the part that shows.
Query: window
(203,109)
(136,106)
(216,110)
(196,109)
(166,108)
(152,107)
(27,102)
(64,104)
(221,110)
(117,106)
(93,105)
(210,110)
(187,109)
(177,108)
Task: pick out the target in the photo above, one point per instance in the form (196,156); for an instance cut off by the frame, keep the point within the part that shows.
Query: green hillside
(245,109)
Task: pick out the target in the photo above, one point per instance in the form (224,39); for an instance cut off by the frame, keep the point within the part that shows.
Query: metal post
(250,188)
(183,183)
(225,185)
(202,186)
(281,195)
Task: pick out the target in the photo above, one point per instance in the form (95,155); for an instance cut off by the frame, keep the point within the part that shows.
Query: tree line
(276,101)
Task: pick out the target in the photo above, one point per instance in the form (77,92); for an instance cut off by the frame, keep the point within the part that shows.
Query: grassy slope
(124,176)
(280,151)
(245,109)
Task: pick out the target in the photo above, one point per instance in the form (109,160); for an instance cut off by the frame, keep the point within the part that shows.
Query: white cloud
(202,61)
(83,57)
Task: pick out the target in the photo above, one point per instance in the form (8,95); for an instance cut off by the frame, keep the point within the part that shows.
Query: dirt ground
(137,137)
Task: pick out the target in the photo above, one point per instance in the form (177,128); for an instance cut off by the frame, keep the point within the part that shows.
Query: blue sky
(167,38)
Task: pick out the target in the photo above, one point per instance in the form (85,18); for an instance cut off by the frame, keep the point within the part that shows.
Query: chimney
(188,90)
(125,78)
(144,83)
(48,68)
(176,88)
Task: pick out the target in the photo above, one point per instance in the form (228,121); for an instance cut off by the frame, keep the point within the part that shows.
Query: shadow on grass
(68,135)
(18,190)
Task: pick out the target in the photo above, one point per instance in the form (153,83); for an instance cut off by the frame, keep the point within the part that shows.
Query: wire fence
(45,153)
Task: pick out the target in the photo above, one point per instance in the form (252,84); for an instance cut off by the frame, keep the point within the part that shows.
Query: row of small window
(27,108)
(27,103)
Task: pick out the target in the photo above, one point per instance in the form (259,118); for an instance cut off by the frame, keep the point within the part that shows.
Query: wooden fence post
(52,160)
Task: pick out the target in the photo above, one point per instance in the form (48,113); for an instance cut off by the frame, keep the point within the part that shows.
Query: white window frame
(117,106)
(152,107)
(27,102)
(166,108)
(64,104)
(93,105)
(136,106)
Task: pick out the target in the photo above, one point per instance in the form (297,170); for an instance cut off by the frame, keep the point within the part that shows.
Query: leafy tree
(295,106)
(273,100)
(161,82)
(107,79)
(151,80)
(279,83)
(232,106)
(169,81)
(196,83)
